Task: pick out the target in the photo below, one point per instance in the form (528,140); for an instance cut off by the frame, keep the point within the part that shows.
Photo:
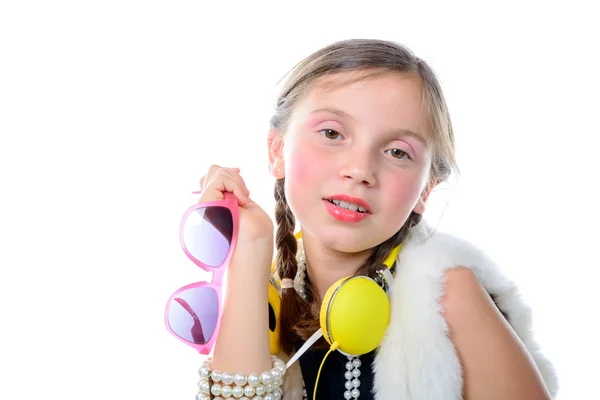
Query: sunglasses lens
(193,313)
(207,234)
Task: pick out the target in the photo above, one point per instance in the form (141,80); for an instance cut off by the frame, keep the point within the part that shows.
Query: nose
(358,166)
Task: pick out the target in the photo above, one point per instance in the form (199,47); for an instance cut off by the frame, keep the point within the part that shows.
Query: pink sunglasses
(208,234)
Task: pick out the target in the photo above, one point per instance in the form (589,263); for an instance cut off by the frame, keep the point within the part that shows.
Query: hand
(255,225)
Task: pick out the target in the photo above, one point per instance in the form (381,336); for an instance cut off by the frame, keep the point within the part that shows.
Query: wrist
(252,261)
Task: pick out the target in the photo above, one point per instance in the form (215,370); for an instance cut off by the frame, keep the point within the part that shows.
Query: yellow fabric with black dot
(274,312)
(355,314)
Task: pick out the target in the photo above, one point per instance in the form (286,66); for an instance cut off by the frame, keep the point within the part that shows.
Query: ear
(276,163)
(422,202)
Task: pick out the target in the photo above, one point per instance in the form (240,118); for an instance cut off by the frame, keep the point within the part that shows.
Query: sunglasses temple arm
(305,347)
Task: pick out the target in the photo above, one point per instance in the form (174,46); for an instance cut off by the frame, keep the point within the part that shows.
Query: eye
(399,154)
(330,134)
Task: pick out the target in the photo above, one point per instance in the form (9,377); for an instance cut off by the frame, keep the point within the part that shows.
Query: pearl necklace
(352,373)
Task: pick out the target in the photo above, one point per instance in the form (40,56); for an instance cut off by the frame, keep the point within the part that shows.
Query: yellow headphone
(354,316)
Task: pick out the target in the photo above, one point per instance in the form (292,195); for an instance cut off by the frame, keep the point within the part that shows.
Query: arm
(495,363)
(243,341)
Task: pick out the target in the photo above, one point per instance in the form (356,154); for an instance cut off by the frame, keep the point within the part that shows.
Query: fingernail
(197,192)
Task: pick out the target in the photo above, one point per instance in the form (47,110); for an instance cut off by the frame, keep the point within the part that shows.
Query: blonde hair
(370,57)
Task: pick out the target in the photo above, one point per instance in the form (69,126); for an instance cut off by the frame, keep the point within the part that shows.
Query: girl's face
(364,143)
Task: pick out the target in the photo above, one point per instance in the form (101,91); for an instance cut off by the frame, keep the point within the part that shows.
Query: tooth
(343,204)
(362,209)
(352,207)
(336,202)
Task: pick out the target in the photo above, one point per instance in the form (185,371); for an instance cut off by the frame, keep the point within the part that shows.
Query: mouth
(350,203)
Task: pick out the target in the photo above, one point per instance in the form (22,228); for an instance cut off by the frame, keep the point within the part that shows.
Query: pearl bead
(355,393)
(277,394)
(266,377)
(269,396)
(269,387)
(356,373)
(349,366)
(281,369)
(260,390)
(216,375)
(348,385)
(249,391)
(278,382)
(226,391)
(254,379)
(355,383)
(347,395)
(240,379)
(258,398)
(215,389)
(204,387)
(356,363)
(244,398)
(237,392)
(227,378)
(276,373)
(348,375)
(204,372)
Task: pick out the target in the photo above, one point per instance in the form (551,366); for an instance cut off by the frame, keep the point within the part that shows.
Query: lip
(350,199)
(343,214)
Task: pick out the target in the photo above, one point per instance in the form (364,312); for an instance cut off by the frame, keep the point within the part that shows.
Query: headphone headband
(389,261)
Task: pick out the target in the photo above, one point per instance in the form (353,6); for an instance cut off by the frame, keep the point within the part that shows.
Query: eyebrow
(332,110)
(343,114)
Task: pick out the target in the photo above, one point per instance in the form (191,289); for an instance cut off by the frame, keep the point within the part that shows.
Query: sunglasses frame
(218,272)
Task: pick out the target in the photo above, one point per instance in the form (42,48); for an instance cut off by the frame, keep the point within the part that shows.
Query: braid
(286,266)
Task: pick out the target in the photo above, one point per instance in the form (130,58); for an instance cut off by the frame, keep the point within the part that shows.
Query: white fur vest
(416,359)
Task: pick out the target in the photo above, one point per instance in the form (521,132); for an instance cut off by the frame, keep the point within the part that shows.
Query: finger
(246,186)
(233,172)
(212,171)
(209,174)
(224,182)
(201,186)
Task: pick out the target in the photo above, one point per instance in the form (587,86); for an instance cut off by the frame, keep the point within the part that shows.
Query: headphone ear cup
(323,315)
(355,313)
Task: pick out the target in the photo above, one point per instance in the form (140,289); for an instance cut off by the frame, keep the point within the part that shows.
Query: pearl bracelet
(229,386)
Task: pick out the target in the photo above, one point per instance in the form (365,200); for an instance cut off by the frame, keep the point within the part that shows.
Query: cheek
(303,171)
(301,167)
(403,193)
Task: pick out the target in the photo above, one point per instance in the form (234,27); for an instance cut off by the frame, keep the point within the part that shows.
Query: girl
(360,136)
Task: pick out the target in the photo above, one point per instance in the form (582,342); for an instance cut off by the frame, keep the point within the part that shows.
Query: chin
(345,240)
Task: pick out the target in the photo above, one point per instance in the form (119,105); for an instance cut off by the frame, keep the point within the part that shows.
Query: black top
(332,382)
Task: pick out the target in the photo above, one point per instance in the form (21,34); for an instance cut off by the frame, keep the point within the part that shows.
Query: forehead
(381,100)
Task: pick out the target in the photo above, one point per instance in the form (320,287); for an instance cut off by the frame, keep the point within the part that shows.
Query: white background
(111,111)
